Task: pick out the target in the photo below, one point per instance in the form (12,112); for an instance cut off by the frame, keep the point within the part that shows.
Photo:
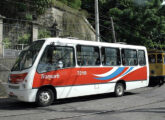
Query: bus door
(56,67)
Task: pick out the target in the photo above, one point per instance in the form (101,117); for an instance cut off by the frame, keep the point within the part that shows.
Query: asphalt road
(140,104)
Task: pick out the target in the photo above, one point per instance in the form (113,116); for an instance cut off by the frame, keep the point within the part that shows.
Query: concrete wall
(5,66)
(1,37)
(34,32)
(68,24)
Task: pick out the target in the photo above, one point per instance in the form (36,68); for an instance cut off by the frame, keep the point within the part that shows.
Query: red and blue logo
(116,72)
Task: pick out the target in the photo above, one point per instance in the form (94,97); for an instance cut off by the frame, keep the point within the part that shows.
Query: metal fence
(16,33)
(13,51)
(16,36)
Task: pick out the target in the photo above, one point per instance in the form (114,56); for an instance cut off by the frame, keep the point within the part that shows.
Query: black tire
(119,90)
(161,81)
(45,97)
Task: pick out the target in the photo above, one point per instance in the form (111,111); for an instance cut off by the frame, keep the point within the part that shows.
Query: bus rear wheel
(119,90)
(45,97)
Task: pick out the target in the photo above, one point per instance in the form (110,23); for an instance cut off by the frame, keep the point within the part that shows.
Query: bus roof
(90,43)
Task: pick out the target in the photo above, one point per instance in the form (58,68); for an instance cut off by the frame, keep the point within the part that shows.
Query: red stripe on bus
(81,76)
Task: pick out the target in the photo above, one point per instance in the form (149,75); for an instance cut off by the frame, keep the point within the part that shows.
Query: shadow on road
(156,83)
(9,104)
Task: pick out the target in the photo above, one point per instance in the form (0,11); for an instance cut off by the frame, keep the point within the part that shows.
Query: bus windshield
(27,56)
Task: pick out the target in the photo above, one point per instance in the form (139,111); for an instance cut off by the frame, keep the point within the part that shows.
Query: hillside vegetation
(141,23)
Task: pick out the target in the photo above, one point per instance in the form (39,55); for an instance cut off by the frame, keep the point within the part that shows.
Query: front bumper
(26,95)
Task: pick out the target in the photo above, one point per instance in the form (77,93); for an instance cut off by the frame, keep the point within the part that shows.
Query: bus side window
(88,55)
(110,56)
(159,58)
(56,57)
(129,57)
(141,57)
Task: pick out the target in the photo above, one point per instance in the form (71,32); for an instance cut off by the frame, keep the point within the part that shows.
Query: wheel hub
(120,90)
(44,97)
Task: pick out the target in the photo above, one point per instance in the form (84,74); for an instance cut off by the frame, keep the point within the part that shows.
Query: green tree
(134,24)
(12,8)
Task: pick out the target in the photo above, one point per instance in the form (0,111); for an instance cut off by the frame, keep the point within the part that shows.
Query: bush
(64,1)
(7,43)
(74,3)
(43,33)
(28,16)
(24,39)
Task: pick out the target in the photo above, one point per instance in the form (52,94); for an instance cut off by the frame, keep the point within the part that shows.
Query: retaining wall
(5,66)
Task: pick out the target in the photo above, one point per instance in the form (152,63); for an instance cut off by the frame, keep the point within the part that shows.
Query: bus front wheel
(45,97)
(119,90)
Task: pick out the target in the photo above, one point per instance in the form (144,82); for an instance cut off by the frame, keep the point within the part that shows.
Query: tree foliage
(30,8)
(140,22)
(43,33)
(135,23)
(142,25)
(12,8)
(72,3)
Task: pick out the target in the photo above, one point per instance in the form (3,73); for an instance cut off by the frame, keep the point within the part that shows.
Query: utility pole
(113,31)
(97,21)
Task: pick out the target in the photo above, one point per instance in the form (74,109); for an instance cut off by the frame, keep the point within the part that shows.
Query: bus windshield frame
(27,57)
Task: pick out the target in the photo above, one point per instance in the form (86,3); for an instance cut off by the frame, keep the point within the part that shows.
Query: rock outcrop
(67,24)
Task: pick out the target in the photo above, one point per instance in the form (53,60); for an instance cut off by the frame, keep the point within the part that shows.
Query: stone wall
(5,66)
(1,35)
(67,23)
